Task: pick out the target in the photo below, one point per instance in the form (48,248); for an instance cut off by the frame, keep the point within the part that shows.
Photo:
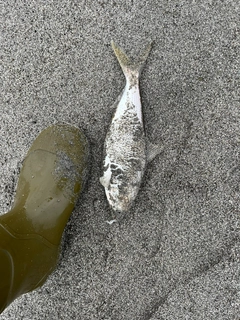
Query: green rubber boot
(50,181)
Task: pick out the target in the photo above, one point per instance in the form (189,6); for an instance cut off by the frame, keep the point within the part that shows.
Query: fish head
(121,196)
(121,184)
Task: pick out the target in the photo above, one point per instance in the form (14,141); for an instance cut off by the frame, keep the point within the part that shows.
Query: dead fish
(125,147)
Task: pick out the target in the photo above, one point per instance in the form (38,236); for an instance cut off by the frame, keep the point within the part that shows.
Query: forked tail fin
(128,66)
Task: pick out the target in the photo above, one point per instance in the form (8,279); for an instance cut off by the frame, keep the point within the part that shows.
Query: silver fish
(125,147)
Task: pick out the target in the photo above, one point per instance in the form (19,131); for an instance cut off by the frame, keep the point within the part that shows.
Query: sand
(176,254)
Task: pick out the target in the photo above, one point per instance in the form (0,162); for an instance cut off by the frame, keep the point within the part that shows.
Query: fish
(126,149)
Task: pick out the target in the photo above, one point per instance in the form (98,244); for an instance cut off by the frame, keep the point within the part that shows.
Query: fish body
(125,150)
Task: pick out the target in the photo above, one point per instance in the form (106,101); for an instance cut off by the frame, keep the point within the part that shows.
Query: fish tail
(128,66)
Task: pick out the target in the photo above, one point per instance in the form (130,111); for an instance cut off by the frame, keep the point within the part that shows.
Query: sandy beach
(176,253)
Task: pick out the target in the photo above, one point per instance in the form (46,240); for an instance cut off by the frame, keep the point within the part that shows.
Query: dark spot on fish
(117,172)
(122,185)
(117,175)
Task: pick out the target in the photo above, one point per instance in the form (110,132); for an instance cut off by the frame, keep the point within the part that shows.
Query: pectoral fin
(153,150)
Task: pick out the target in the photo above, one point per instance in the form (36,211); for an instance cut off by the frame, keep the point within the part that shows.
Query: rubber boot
(50,181)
